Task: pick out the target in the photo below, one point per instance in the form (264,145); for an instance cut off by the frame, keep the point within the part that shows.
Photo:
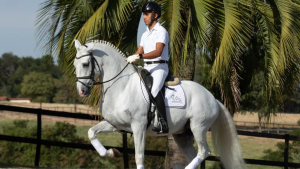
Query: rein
(97,83)
(92,76)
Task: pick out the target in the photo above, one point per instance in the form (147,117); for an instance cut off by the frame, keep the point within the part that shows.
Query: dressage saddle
(158,101)
(148,79)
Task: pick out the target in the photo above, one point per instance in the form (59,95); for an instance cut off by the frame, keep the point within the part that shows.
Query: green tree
(38,86)
(253,101)
(13,69)
(292,103)
(64,92)
(8,65)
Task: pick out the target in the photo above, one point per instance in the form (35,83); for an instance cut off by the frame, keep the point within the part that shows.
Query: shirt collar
(154,28)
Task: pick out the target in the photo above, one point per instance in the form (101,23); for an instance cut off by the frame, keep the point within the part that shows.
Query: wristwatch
(141,56)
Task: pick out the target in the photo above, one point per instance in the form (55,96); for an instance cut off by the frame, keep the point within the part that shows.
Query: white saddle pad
(173,98)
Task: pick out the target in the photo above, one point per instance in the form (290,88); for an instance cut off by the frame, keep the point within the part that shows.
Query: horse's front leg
(139,133)
(102,127)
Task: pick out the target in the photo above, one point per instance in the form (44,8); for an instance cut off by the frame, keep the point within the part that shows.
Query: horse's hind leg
(199,131)
(102,127)
(185,144)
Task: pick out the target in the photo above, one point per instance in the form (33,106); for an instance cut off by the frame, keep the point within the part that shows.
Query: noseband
(91,77)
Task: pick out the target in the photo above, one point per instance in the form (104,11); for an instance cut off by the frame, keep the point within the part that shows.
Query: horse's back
(199,101)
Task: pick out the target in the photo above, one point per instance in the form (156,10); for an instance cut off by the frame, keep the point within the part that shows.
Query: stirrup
(161,128)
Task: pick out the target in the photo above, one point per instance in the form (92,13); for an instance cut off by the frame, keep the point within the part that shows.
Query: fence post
(38,144)
(221,165)
(125,151)
(286,151)
(203,164)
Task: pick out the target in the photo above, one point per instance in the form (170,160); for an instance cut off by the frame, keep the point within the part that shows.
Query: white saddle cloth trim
(173,98)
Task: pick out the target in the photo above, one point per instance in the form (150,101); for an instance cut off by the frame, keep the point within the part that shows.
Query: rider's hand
(133,58)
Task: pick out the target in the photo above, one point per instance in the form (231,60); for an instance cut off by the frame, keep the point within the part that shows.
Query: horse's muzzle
(84,92)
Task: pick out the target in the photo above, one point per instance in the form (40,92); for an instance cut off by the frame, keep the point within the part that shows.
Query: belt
(154,62)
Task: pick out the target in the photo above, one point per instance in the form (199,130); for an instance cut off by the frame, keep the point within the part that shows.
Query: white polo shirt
(158,34)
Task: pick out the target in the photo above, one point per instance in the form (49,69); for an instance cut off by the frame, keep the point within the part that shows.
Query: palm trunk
(174,158)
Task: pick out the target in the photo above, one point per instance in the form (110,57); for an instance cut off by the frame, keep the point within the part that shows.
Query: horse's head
(85,64)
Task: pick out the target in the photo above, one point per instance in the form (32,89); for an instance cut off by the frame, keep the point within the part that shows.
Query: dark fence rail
(246,125)
(38,141)
(276,128)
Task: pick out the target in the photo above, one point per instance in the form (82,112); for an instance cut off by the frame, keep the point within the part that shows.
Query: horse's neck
(112,65)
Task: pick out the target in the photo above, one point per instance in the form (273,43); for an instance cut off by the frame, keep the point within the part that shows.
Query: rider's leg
(102,127)
(159,102)
(159,75)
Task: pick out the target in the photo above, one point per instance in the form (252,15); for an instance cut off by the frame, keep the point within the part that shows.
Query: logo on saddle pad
(175,99)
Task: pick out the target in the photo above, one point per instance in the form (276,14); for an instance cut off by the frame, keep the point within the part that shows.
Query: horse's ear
(77,44)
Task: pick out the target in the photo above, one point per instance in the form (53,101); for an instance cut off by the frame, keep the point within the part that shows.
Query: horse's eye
(85,64)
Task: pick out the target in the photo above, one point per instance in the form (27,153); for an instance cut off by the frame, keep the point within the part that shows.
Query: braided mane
(109,44)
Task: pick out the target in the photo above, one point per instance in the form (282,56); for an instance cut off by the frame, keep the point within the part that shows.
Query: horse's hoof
(113,153)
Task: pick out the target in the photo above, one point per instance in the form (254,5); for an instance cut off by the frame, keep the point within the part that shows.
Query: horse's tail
(225,140)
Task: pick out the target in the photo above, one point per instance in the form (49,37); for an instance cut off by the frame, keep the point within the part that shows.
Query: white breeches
(159,72)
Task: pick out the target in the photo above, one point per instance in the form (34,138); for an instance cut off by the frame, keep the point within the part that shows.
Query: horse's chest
(117,117)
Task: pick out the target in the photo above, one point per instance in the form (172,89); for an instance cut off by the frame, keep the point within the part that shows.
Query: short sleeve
(142,40)
(162,37)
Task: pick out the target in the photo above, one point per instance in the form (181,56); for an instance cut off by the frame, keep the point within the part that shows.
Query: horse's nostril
(83,91)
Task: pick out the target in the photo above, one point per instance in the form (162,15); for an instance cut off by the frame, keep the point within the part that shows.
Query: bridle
(91,77)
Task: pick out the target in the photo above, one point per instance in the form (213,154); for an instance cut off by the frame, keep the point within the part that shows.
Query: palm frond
(92,25)
(236,32)
(289,53)
(173,22)
(270,37)
(236,35)
(202,20)
(290,31)
(98,24)
(187,41)
(128,37)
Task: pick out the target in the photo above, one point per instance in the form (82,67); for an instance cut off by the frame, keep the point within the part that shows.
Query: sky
(17,27)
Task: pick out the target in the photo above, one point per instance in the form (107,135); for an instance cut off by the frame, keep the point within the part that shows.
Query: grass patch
(6,165)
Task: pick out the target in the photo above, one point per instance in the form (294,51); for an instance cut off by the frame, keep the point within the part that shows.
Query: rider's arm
(156,53)
(140,50)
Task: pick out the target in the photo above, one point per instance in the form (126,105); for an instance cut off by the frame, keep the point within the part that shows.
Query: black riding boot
(159,102)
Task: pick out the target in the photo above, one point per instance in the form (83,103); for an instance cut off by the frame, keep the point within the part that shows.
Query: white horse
(124,108)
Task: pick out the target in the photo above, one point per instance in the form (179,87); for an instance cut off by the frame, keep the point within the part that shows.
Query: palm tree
(223,32)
